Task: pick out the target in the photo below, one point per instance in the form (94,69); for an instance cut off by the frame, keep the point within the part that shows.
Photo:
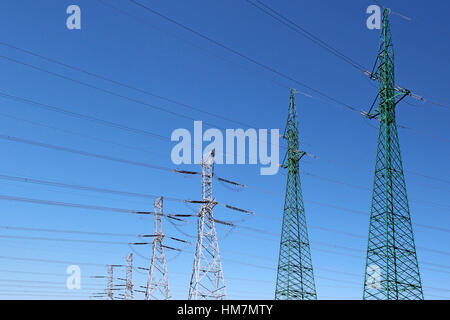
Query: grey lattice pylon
(129,286)
(110,283)
(207,280)
(158,280)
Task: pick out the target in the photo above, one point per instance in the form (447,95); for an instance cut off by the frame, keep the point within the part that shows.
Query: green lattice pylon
(295,278)
(392,270)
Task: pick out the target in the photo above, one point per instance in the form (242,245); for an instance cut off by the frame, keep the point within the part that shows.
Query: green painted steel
(295,278)
(392,270)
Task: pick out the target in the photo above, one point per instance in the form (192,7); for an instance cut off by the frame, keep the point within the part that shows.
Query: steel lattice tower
(158,281)
(129,287)
(392,271)
(110,283)
(295,278)
(207,280)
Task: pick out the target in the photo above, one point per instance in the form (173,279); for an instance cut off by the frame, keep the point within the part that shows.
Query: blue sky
(164,59)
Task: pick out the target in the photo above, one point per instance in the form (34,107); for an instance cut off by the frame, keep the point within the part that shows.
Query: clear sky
(154,55)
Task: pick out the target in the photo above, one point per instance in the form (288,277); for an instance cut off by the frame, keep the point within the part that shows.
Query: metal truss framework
(295,278)
(158,281)
(207,280)
(110,283)
(392,270)
(129,286)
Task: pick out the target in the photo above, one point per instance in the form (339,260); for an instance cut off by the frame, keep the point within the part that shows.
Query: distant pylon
(295,278)
(207,280)
(392,270)
(110,284)
(129,287)
(158,282)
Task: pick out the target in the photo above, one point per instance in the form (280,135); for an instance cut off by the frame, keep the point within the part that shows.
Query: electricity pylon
(207,280)
(110,284)
(129,287)
(295,278)
(158,281)
(392,270)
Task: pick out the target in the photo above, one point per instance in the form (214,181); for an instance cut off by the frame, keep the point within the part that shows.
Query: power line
(135,101)
(106,234)
(343,247)
(83,153)
(89,207)
(365,188)
(101,265)
(32,281)
(13,178)
(345,209)
(52,261)
(80,206)
(266,67)
(122,84)
(302,31)
(42,273)
(404,17)
(50,248)
(63,240)
(360,168)
(109,80)
(110,158)
(61,76)
(432,100)
(84,188)
(152,196)
(110,191)
(41,293)
(121,11)
(208,52)
(90,264)
(161,108)
(82,135)
(105,91)
(91,119)
(82,116)
(325,269)
(342,254)
(85,84)
(357,250)
(323,250)
(239,262)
